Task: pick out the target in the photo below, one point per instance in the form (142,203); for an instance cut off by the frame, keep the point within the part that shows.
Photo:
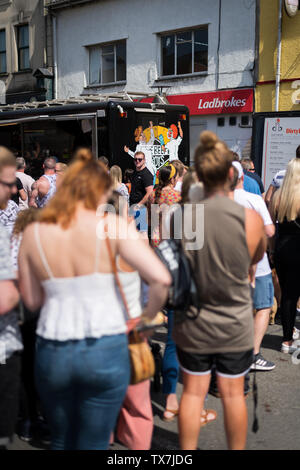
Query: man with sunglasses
(10,337)
(249,170)
(141,188)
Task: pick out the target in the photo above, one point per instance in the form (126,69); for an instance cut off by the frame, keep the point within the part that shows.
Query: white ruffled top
(87,306)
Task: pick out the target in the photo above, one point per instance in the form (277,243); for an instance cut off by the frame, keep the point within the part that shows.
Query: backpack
(183,290)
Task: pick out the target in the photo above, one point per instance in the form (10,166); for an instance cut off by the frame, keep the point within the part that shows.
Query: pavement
(278,408)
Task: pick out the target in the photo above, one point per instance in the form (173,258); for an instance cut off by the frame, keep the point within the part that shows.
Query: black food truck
(106,123)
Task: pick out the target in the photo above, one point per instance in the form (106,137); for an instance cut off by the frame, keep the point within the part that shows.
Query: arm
(180,129)
(30,287)
(33,195)
(142,258)
(269,194)
(9,296)
(22,194)
(127,150)
(149,191)
(255,235)
(151,140)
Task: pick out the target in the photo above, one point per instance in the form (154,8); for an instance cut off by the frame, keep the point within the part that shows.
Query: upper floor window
(185,52)
(3,51)
(23,47)
(107,63)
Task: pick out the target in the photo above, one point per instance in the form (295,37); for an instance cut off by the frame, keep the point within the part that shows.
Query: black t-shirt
(15,197)
(257,179)
(139,181)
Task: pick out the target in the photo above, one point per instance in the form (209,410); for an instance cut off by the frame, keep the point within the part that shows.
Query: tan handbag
(141,358)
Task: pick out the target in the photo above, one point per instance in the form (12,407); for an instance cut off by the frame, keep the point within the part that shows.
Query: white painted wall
(138,22)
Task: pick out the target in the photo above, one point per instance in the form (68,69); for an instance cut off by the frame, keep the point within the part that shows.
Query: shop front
(228,113)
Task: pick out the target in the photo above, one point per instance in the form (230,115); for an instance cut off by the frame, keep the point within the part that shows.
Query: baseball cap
(239,168)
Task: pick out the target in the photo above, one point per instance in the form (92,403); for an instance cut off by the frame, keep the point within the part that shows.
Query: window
(107,63)
(185,52)
(221,122)
(23,47)
(245,120)
(232,121)
(3,51)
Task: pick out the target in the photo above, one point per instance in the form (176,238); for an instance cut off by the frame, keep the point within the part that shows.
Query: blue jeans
(82,385)
(170,366)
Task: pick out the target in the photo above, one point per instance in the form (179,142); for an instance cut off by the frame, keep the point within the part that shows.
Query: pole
(54,33)
(278,68)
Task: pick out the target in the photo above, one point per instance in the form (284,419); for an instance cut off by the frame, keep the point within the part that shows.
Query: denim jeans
(170,366)
(82,385)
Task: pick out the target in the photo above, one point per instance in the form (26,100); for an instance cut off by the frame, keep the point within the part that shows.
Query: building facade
(289,92)
(201,54)
(25,51)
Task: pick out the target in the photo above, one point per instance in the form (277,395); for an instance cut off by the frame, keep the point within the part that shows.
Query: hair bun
(83,155)
(208,140)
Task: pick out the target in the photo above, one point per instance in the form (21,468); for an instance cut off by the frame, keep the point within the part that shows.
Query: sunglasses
(252,169)
(9,185)
(138,159)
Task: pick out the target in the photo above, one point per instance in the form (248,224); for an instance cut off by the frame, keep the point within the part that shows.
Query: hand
(126,149)
(164,148)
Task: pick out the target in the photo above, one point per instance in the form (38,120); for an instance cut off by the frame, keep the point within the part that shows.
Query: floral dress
(168,196)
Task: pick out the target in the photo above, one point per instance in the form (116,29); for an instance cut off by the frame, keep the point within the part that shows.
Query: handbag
(141,358)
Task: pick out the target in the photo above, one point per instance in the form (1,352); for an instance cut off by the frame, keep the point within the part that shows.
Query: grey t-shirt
(10,336)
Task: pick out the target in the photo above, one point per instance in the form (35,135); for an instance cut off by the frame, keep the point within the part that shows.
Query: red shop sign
(216,102)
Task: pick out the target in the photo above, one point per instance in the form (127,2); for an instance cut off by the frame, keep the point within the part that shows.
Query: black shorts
(232,365)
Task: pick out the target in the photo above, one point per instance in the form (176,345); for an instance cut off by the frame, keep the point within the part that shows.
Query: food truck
(113,125)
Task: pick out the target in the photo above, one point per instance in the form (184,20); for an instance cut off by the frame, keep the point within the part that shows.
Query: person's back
(82,361)
(45,187)
(221,273)
(251,185)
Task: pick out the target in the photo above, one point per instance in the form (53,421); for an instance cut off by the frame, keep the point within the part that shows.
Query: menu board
(281,138)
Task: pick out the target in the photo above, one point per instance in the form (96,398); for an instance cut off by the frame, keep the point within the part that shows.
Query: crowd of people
(64,362)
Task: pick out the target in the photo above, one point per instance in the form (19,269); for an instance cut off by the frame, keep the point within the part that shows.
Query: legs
(195,388)
(9,397)
(170,370)
(102,376)
(261,322)
(135,423)
(235,411)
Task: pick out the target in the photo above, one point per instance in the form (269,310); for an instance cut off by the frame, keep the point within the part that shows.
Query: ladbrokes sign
(217,102)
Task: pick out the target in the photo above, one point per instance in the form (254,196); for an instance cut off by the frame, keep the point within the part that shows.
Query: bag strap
(115,272)
(131,323)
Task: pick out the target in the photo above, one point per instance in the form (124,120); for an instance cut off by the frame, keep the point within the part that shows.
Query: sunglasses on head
(9,185)
(138,159)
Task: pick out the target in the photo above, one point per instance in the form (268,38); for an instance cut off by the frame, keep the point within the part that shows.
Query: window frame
(19,48)
(175,33)
(100,47)
(3,30)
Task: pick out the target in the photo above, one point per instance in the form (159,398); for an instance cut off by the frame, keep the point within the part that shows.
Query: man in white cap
(263,294)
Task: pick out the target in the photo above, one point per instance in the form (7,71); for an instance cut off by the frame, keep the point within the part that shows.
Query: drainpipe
(54,34)
(277,85)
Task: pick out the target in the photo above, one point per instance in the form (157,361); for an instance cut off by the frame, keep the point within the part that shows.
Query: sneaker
(24,431)
(262,364)
(296,333)
(288,349)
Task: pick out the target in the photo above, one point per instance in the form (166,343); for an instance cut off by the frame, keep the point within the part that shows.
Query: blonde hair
(116,176)
(289,193)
